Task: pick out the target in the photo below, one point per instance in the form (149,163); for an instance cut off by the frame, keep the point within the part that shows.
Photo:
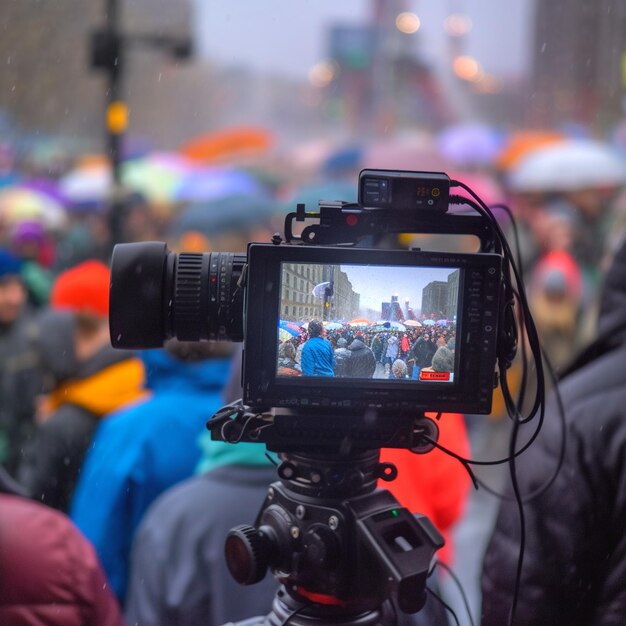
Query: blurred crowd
(116,439)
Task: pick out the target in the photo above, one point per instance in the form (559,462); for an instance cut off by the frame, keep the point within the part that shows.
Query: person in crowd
(342,357)
(20,378)
(139,452)
(318,358)
(421,354)
(377,347)
(287,365)
(442,361)
(33,246)
(574,566)
(49,573)
(391,352)
(398,370)
(362,363)
(405,346)
(88,380)
(178,571)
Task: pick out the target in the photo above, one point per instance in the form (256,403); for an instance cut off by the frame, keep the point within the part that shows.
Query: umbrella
(428,323)
(346,158)
(412,323)
(442,322)
(231,213)
(157,175)
(284,335)
(20,204)
(289,327)
(522,142)
(569,166)
(319,291)
(359,322)
(470,144)
(87,185)
(209,183)
(389,325)
(227,143)
(332,325)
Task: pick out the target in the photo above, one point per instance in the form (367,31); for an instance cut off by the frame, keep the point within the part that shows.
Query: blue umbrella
(230,213)
(428,323)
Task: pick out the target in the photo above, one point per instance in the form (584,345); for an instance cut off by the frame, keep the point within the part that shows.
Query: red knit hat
(83,289)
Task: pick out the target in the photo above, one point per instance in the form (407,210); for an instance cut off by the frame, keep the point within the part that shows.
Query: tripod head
(340,547)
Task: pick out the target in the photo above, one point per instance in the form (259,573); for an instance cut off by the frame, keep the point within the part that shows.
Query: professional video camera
(340,547)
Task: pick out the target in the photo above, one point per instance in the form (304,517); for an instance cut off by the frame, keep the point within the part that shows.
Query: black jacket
(423,352)
(52,458)
(575,559)
(361,363)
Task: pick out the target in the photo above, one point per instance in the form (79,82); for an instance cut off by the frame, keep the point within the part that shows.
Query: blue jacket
(139,452)
(318,358)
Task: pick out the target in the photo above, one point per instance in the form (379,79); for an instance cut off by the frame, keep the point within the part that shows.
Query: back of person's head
(399,368)
(443,360)
(341,342)
(315,328)
(83,290)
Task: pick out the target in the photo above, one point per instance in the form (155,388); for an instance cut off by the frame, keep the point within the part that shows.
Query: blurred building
(346,302)
(378,80)
(440,298)
(298,302)
(579,62)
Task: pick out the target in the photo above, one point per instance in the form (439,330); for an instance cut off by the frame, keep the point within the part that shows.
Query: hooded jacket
(49,573)
(179,574)
(361,363)
(83,394)
(139,452)
(575,557)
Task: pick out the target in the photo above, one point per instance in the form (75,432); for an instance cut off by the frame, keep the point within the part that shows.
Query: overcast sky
(377,284)
(288,36)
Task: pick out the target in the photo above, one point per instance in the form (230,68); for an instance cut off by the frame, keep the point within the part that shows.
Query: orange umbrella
(522,142)
(223,144)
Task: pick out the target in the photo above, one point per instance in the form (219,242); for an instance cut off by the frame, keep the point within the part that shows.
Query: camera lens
(156,294)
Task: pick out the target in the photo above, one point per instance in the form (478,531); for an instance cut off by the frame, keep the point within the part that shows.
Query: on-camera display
(381,322)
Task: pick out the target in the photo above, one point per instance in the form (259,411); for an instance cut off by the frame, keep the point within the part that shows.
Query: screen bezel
(262,386)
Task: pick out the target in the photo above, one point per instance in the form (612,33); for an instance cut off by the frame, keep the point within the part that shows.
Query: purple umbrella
(210,183)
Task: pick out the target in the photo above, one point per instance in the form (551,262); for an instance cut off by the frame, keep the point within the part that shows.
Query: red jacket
(49,572)
(434,484)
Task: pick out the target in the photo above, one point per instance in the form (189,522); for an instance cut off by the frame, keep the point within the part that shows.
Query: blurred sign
(353,46)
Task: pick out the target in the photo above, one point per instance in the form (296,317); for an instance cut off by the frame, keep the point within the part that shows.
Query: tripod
(341,549)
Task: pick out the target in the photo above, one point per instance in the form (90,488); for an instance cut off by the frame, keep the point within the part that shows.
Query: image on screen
(380,322)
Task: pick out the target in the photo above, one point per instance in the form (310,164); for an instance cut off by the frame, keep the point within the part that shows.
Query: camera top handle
(345,223)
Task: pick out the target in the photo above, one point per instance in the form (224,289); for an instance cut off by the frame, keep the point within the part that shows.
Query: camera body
(322,276)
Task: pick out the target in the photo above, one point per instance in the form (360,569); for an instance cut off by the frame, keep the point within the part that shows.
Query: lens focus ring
(189,299)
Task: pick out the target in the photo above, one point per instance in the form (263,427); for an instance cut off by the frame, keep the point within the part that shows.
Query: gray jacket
(178,571)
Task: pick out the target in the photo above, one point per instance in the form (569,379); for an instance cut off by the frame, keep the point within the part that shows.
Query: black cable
(446,606)
(296,612)
(455,578)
